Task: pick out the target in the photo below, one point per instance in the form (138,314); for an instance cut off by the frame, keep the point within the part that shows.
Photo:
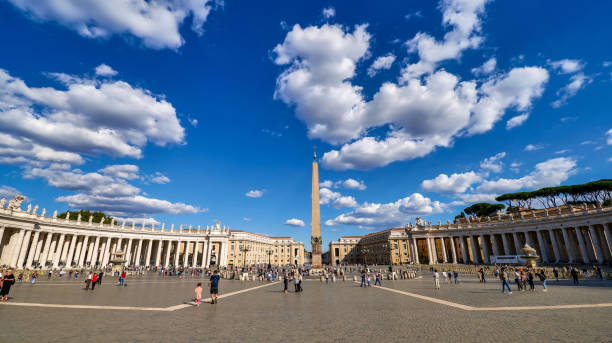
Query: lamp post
(269,252)
(244,249)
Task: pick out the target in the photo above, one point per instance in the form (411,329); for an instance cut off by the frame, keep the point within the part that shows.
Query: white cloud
(516,121)
(246,219)
(493,163)
(560,152)
(420,114)
(354,184)
(456,183)
(158,178)
(549,173)
(254,193)
(577,82)
(486,68)
(193,122)
(609,137)
(294,222)
(381,63)
(567,66)
(473,198)
(122,171)
(606,64)
(105,70)
(326,196)
(127,205)
(416,14)
(533,147)
(389,214)
(137,220)
(43,125)
(156,23)
(329,12)
(345,202)
(326,184)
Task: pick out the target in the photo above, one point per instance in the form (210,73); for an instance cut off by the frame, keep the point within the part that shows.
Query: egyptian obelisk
(315,239)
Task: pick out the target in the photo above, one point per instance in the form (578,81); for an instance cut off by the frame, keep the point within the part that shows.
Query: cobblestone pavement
(339,312)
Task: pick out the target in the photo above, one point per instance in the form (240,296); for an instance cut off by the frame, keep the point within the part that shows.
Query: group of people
(294,276)
(522,278)
(448,276)
(213,283)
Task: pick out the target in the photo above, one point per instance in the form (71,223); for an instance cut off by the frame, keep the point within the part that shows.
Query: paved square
(340,311)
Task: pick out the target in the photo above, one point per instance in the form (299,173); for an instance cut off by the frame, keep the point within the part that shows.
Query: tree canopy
(85,214)
(590,192)
(483,209)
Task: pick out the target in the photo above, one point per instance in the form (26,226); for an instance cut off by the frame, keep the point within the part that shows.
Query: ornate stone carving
(55,214)
(29,208)
(35,210)
(79,217)
(2,202)
(44,211)
(15,204)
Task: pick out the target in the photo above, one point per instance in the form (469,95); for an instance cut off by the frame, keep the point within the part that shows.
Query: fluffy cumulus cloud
(375,215)
(158,178)
(533,147)
(294,222)
(566,66)
(329,12)
(609,137)
(155,23)
(548,173)
(456,183)
(327,196)
(105,70)
(254,193)
(107,191)
(493,163)
(517,121)
(486,68)
(88,117)
(8,192)
(354,184)
(577,80)
(381,63)
(428,108)
(344,202)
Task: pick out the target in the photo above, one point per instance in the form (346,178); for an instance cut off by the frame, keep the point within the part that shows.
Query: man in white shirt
(436,277)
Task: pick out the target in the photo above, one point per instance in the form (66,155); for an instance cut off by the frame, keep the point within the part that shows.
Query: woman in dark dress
(7,281)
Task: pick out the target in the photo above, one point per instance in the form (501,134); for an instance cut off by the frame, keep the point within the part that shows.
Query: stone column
(138,252)
(23,251)
(148,255)
(77,252)
(118,247)
(475,251)
(429,252)
(58,253)
(585,256)
(415,248)
(195,254)
(71,252)
(453,251)
(176,254)
(595,239)
(568,246)
(128,259)
(186,254)
(464,250)
(45,254)
(32,249)
(83,251)
(1,233)
(443,246)
(102,253)
(506,244)
(160,245)
(224,248)
(517,243)
(210,244)
(608,236)
(496,249)
(37,254)
(65,249)
(17,248)
(543,247)
(485,249)
(168,247)
(553,241)
(93,257)
(107,250)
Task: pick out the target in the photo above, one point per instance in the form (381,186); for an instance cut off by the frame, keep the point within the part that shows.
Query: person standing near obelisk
(315,239)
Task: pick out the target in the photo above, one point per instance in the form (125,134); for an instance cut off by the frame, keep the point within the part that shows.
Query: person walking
(436,277)
(7,281)
(377,281)
(363,279)
(450,277)
(542,276)
(503,276)
(286,283)
(94,280)
(517,279)
(214,286)
(100,275)
(369,279)
(530,280)
(456,276)
(34,277)
(122,278)
(198,294)
(574,273)
(482,276)
(523,280)
(88,281)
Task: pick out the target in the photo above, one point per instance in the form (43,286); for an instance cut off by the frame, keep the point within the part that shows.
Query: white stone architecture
(28,239)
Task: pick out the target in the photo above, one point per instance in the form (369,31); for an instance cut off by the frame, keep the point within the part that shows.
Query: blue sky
(177,111)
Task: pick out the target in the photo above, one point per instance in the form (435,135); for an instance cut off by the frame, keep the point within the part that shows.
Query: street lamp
(244,249)
(269,252)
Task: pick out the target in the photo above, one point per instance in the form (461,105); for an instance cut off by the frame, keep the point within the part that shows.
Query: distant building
(385,247)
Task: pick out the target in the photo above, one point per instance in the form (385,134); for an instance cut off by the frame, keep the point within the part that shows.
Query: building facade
(28,239)
(566,234)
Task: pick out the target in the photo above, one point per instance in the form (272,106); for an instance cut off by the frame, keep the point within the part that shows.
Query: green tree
(483,209)
(86,214)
